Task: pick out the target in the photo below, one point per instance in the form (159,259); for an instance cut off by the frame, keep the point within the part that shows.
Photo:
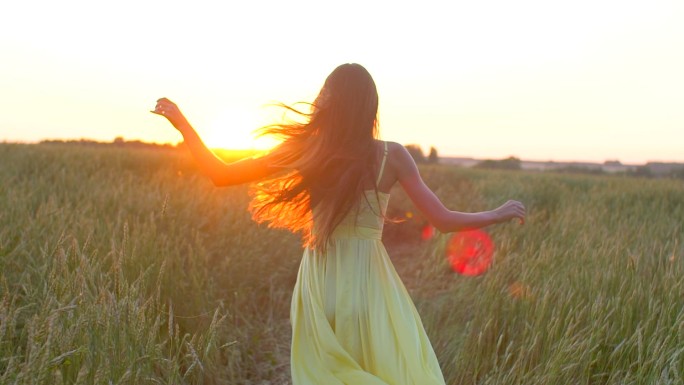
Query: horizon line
(440,155)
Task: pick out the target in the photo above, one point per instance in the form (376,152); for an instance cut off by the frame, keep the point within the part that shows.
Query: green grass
(125,266)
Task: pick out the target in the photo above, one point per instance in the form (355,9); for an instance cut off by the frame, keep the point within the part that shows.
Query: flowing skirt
(353,322)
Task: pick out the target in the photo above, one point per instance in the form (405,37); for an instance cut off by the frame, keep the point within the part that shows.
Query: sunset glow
(234,129)
(586,80)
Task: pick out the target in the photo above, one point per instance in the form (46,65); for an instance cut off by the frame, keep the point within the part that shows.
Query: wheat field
(125,266)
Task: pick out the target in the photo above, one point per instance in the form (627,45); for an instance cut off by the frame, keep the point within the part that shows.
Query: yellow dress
(353,322)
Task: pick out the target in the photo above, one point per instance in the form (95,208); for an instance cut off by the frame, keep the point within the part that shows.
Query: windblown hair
(329,158)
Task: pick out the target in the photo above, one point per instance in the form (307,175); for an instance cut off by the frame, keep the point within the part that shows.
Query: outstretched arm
(432,208)
(221,173)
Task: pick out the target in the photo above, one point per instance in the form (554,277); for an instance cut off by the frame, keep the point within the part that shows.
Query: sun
(233,129)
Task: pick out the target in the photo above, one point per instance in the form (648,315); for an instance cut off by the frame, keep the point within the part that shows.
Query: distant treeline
(657,170)
(510,163)
(417,154)
(649,170)
(118,142)
(226,155)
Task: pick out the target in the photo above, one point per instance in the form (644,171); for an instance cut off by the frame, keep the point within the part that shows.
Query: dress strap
(382,165)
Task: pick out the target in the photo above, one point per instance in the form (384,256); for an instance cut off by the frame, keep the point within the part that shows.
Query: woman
(353,321)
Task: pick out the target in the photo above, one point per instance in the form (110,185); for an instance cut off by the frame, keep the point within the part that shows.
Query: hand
(511,210)
(170,111)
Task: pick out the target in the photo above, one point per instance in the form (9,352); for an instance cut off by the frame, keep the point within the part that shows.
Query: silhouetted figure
(353,322)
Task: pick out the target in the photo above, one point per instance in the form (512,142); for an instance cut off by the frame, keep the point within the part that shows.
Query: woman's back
(369,213)
(353,321)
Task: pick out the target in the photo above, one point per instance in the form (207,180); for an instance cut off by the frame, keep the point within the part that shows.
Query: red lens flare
(427,232)
(470,252)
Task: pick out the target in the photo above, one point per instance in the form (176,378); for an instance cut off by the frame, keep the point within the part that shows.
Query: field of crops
(125,266)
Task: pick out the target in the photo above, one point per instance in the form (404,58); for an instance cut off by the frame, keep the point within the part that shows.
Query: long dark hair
(330,157)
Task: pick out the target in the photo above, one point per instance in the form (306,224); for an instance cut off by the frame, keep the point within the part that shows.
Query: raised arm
(435,212)
(221,173)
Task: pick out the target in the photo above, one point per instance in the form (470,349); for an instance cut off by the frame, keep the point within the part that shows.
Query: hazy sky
(571,80)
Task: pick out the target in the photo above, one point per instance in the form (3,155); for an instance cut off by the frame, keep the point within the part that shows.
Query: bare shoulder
(393,146)
(400,160)
(397,152)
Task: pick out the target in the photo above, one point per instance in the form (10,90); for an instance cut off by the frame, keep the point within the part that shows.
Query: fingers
(517,210)
(520,212)
(171,112)
(163,107)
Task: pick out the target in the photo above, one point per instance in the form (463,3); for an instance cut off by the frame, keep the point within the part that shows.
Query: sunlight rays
(234,129)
